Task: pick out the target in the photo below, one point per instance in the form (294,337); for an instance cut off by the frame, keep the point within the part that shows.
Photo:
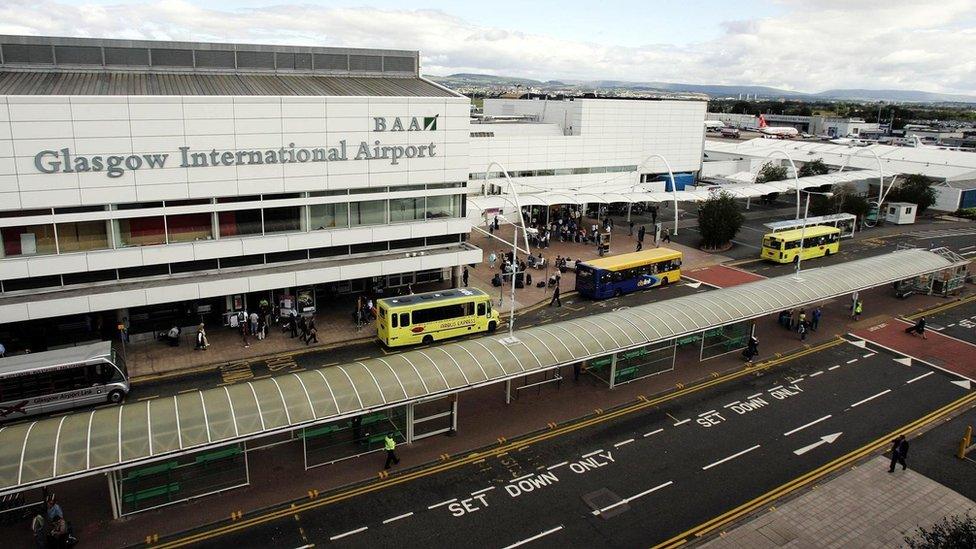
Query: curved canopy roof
(83,443)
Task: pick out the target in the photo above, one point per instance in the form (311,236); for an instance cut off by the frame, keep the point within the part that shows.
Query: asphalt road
(934,455)
(958,322)
(573,307)
(640,478)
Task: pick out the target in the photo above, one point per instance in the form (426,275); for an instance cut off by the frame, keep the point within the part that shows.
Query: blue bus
(626,273)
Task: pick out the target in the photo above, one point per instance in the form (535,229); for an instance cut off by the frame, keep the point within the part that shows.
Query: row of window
(550,172)
(436,314)
(129,273)
(57,381)
(82,236)
(808,242)
(652,269)
(227,199)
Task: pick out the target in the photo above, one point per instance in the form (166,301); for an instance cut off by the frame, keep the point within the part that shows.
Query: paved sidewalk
(864,507)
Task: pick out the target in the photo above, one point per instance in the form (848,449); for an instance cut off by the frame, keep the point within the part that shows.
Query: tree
(948,533)
(771,172)
(814,167)
(845,199)
(916,189)
(719,220)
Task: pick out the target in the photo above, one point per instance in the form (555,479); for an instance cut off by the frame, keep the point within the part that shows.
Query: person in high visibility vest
(390,446)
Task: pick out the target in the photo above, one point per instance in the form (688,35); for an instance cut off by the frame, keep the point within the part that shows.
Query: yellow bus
(784,246)
(424,318)
(625,273)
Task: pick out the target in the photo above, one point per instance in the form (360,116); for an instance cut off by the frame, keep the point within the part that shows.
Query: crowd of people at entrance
(50,528)
(798,321)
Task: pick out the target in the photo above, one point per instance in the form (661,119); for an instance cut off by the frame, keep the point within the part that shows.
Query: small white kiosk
(901,213)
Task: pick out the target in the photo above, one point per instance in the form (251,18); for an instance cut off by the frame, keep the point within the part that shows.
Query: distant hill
(715,90)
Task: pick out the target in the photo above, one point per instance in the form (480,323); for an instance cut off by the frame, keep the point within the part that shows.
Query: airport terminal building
(159,182)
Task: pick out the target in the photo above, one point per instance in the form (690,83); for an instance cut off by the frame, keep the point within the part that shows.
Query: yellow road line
(941,308)
(499,450)
(811,476)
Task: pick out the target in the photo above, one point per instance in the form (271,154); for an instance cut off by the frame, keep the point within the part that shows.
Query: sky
(801,45)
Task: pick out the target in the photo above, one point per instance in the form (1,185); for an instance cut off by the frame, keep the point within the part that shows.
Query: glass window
(372,212)
(239,223)
(404,320)
(393,320)
(28,240)
(329,216)
(283,220)
(481,309)
(190,227)
(440,206)
(141,231)
(406,209)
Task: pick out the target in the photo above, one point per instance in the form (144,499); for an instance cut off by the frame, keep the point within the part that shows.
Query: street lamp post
(796,176)
(803,229)
(881,192)
(515,249)
(674,186)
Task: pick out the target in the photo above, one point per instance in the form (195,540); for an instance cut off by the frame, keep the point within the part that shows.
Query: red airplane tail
(762,121)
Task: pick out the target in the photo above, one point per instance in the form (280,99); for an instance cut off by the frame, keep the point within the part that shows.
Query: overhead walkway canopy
(108,438)
(747,189)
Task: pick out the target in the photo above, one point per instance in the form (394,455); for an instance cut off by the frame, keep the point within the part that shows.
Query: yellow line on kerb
(811,476)
(501,449)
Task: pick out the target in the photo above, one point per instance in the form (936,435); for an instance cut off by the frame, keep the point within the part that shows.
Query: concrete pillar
(456,277)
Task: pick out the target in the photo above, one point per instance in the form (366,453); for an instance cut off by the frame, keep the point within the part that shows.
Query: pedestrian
(793,319)
(492,258)
(577,368)
(312,336)
(53,509)
(752,349)
(640,245)
(815,318)
(802,319)
(390,446)
(555,297)
(39,527)
(253,318)
(464,277)
(242,326)
(630,231)
(899,451)
(302,328)
(667,236)
(858,309)
(918,328)
(202,342)
(640,233)
(654,215)
(293,320)
(802,330)
(3,351)
(59,532)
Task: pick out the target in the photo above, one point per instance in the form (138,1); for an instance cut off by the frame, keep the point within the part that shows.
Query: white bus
(46,382)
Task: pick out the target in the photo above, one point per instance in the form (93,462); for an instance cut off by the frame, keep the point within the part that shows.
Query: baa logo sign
(415,124)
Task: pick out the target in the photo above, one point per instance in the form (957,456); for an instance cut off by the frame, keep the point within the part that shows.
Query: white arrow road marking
(906,360)
(860,343)
(965,384)
(828,439)
(694,285)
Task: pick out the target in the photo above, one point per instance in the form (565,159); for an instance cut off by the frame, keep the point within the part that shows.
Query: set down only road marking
(732,415)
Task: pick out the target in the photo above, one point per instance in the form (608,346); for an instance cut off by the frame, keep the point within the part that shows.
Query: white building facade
(590,144)
(139,175)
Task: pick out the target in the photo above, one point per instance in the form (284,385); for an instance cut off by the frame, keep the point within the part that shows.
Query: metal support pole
(613,370)
(508,391)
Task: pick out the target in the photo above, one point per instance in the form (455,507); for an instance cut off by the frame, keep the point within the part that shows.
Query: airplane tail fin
(762,121)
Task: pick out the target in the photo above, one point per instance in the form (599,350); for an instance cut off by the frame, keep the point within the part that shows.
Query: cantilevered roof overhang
(84,443)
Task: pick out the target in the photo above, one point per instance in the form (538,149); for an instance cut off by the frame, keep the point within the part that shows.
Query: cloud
(813,45)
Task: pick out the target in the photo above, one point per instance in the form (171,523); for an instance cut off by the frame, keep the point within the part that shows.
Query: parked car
(730,132)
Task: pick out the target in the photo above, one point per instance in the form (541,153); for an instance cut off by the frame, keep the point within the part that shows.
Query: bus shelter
(156,450)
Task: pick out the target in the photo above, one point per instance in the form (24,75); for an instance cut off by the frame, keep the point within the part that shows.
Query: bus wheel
(665,281)
(115,396)
(827,253)
(428,339)
(617,293)
(492,326)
